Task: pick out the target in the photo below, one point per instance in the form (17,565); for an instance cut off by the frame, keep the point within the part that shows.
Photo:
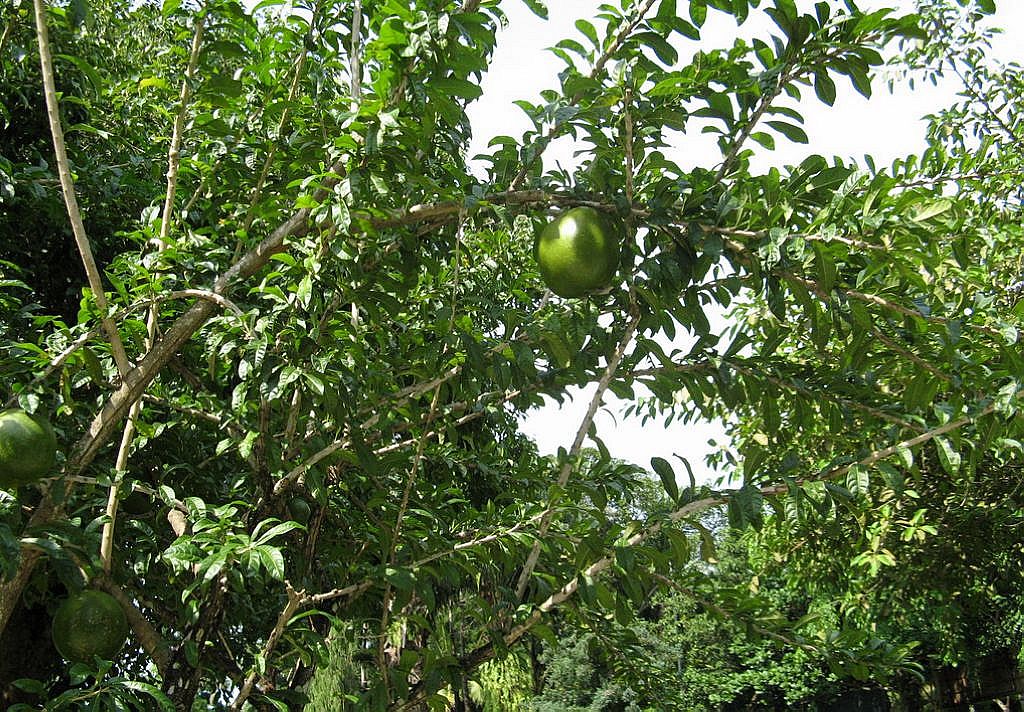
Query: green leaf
(764,139)
(931,209)
(668,477)
(680,545)
(750,505)
(85,68)
(538,8)
(698,12)
(661,48)
(79,13)
(667,10)
(223,86)
(948,455)
(34,687)
(707,542)
(736,514)
(304,291)
(689,471)
(776,297)
(672,85)
(625,558)
(273,532)
(826,268)
(793,133)
(457,87)
(858,480)
(824,87)
(247,443)
(400,578)
(272,560)
(588,30)
(93,367)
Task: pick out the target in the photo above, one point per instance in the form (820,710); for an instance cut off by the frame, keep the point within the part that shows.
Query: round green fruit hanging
(299,510)
(578,252)
(28,448)
(87,624)
(136,503)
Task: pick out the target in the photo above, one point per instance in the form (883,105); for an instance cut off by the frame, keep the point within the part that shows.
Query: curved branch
(295,600)
(133,386)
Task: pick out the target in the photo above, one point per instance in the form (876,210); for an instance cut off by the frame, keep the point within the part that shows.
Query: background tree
(320,300)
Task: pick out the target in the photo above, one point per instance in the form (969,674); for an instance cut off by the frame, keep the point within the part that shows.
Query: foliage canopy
(306,292)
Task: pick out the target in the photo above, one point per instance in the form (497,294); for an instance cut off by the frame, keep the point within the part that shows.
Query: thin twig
(118,405)
(910,355)
(410,481)
(354,58)
(416,461)
(542,142)
(785,77)
(723,613)
(992,113)
(173,162)
(257,191)
(743,253)
(826,395)
(295,600)
(8,29)
(577,445)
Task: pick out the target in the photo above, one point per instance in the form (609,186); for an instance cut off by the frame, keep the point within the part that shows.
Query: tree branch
(173,162)
(134,384)
(544,141)
(152,642)
(67,184)
(295,600)
(577,445)
(422,689)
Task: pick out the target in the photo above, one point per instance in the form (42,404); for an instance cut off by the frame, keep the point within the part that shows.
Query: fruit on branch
(87,624)
(299,510)
(136,503)
(28,448)
(578,252)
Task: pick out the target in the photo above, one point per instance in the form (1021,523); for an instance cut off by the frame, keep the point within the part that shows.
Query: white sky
(887,126)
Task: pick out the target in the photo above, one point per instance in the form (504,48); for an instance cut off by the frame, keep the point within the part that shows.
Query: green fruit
(299,510)
(578,252)
(136,503)
(87,624)
(28,448)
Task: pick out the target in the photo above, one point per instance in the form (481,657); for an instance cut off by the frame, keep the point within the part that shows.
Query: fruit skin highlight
(28,448)
(87,624)
(578,252)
